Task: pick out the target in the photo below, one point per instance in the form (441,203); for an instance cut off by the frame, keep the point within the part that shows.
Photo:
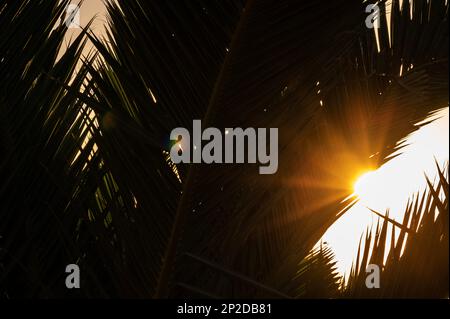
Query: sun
(365,185)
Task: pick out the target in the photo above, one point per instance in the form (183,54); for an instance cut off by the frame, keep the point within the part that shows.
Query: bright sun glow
(390,187)
(365,185)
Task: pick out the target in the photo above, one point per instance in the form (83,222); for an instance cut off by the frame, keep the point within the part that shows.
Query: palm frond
(42,163)
(269,77)
(416,263)
(84,163)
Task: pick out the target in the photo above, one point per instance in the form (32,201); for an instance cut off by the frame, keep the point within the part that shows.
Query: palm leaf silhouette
(99,166)
(416,264)
(269,78)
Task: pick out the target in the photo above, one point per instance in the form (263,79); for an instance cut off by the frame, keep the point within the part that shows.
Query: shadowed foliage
(45,183)
(86,176)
